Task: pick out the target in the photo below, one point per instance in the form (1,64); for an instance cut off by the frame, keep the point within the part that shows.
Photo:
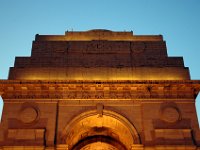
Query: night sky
(177,20)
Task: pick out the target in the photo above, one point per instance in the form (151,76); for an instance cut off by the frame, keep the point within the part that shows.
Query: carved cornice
(79,89)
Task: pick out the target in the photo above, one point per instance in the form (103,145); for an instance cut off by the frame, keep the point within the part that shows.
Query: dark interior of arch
(99,138)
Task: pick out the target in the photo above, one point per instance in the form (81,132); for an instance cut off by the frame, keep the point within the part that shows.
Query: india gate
(99,90)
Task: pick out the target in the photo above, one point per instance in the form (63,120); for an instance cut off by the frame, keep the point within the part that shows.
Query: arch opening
(110,130)
(99,143)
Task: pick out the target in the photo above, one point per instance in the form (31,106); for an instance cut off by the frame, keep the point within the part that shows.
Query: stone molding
(144,89)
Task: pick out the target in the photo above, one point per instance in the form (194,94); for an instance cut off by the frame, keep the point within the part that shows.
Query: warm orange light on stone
(99,146)
(99,90)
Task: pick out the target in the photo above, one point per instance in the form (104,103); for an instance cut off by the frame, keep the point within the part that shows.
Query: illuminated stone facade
(99,90)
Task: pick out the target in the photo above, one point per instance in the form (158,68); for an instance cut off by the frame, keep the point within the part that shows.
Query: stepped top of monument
(99,55)
(98,34)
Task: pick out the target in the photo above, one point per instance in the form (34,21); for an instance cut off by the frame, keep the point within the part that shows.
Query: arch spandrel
(90,124)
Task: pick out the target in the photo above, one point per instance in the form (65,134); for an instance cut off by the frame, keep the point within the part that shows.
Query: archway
(90,130)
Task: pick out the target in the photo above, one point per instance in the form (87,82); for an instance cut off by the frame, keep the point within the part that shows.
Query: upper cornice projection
(185,90)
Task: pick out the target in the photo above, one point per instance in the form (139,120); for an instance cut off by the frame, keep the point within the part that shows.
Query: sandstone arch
(110,130)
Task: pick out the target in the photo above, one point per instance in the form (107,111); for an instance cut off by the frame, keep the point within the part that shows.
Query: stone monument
(99,90)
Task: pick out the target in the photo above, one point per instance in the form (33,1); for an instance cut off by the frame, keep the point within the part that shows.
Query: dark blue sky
(177,20)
